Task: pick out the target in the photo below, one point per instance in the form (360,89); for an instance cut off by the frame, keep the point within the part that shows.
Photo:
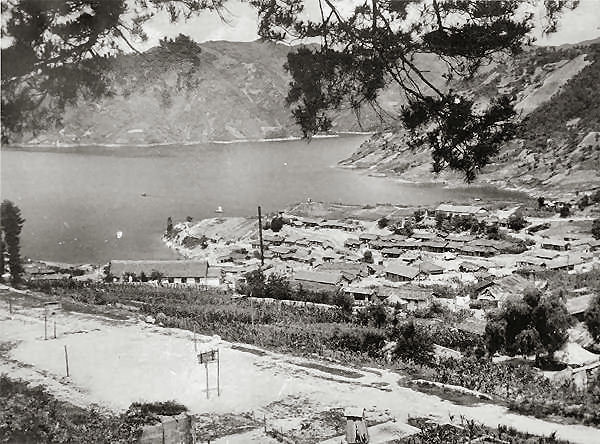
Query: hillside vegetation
(181,91)
(557,93)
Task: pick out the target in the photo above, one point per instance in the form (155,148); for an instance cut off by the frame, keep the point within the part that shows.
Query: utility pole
(218,373)
(206,368)
(260,238)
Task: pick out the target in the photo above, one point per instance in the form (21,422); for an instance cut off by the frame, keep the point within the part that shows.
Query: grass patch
(331,370)
(253,351)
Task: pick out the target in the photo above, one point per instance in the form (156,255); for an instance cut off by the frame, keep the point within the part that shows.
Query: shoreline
(527,192)
(185,143)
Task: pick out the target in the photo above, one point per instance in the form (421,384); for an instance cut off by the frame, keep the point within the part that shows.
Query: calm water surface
(75,200)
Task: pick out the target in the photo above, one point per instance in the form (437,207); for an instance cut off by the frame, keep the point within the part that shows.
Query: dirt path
(113,363)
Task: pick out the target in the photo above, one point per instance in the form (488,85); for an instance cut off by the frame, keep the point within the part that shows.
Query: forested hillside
(181,91)
(557,94)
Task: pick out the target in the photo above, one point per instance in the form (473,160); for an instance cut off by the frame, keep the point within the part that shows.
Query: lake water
(75,200)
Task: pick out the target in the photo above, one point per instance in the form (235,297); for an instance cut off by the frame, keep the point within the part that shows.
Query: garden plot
(113,363)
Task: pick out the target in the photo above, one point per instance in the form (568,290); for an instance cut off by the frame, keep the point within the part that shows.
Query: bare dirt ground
(115,362)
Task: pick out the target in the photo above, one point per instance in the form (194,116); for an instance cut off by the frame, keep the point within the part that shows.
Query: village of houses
(352,252)
(369,262)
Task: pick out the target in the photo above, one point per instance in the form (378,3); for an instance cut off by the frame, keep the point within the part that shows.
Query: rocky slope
(557,92)
(186,92)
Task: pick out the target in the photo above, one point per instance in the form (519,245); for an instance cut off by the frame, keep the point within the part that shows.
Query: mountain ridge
(186,92)
(557,148)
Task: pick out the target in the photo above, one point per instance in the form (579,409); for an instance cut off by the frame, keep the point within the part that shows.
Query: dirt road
(113,363)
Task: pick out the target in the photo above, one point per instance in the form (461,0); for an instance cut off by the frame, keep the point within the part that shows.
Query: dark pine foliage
(12,224)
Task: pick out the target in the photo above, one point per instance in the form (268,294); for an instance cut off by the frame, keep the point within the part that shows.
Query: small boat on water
(144,195)
(119,234)
(219,209)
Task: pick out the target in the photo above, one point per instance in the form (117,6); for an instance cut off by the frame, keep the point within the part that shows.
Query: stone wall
(171,430)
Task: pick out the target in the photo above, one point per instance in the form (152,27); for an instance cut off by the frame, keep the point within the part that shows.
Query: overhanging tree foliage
(383,43)
(60,51)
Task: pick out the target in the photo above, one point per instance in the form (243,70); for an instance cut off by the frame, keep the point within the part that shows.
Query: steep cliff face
(557,93)
(221,91)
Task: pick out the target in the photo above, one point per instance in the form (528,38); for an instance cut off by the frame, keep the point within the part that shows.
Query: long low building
(460,210)
(167,272)
(318,280)
(397,272)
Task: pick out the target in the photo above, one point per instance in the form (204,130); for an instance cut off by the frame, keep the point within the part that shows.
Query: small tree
(378,314)
(495,334)
(367,257)
(406,230)
(565,210)
(383,222)
(12,224)
(592,318)
(418,215)
(1,253)
(345,302)
(528,342)
(493,232)
(255,284)
(156,275)
(276,224)
(584,202)
(516,221)
(278,287)
(412,343)
(108,276)
(129,276)
(533,324)
(439,220)
(596,229)
(541,202)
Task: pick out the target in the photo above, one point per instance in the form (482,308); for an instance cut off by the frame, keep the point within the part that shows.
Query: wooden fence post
(67,361)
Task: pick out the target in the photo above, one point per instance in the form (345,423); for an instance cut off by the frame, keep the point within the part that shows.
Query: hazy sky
(581,24)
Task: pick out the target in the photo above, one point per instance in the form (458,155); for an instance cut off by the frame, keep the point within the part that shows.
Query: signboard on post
(206,358)
(209,356)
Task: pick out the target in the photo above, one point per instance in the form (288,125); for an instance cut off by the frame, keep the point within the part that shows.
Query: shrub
(406,230)
(276,224)
(541,202)
(150,412)
(533,324)
(592,318)
(383,222)
(596,229)
(193,242)
(413,343)
(377,314)
(516,221)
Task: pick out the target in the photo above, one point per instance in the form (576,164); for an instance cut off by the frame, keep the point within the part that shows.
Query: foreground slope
(113,363)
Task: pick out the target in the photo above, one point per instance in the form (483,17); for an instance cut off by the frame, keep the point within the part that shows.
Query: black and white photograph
(300,221)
